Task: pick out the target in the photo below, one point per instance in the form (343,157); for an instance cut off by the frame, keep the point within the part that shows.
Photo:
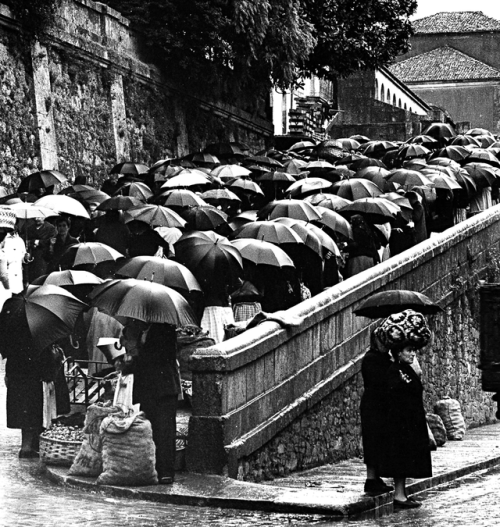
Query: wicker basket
(57,452)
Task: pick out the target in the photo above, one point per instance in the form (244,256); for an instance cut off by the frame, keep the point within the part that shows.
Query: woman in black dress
(407,452)
(373,409)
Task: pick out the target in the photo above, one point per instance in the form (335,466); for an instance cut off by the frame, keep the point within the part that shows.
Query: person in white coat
(7,224)
(15,250)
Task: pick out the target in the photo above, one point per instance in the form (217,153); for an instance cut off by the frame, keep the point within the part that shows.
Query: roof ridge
(456,22)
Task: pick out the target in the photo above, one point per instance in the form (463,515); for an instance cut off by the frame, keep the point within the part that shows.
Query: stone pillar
(43,106)
(119,119)
(182,142)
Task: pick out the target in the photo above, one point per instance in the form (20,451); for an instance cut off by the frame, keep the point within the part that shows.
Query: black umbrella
(385,303)
(42,179)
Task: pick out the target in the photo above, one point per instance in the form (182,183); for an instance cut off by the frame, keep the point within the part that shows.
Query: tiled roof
(442,64)
(456,22)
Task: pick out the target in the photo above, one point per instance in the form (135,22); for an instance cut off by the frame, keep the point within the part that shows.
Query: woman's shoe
(166,480)
(406,504)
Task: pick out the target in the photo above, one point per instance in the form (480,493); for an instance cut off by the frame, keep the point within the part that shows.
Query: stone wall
(274,399)
(88,97)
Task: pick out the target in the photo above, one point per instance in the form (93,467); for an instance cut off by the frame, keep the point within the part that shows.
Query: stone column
(43,106)
(182,142)
(119,119)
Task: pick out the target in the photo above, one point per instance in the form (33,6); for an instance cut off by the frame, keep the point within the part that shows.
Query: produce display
(61,432)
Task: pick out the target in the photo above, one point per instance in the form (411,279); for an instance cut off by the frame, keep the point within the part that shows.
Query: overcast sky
(429,7)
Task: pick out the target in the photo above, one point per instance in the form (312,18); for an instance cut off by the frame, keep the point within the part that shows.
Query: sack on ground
(128,451)
(449,411)
(438,429)
(88,461)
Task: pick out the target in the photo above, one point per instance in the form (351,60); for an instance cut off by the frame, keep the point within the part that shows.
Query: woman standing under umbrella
(363,249)
(407,452)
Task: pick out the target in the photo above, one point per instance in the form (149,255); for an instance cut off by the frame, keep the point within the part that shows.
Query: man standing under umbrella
(145,241)
(37,235)
(152,358)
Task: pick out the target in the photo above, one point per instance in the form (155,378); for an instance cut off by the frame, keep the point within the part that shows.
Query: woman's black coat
(373,408)
(407,453)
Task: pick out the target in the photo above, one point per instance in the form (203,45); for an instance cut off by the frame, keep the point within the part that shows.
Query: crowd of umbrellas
(227,212)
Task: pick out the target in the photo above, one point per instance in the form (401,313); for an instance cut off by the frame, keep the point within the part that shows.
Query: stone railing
(252,394)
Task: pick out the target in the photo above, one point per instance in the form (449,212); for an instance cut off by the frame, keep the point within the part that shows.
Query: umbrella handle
(118,346)
(77,345)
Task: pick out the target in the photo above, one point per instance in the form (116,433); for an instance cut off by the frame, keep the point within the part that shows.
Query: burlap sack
(128,451)
(449,411)
(88,461)
(438,429)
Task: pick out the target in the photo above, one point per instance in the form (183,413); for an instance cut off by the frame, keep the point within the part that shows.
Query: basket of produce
(60,444)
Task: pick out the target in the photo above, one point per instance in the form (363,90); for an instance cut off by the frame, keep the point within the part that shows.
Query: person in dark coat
(152,358)
(363,248)
(145,241)
(59,244)
(37,234)
(407,452)
(373,409)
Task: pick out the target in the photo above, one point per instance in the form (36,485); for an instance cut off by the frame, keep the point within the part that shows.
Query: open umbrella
(294,166)
(464,140)
(41,179)
(230,171)
(119,203)
(329,201)
(444,182)
(377,210)
(263,161)
(334,221)
(378,176)
(160,270)
(204,218)
(180,198)
(134,169)
(353,189)
(209,257)
(135,189)
(366,162)
(413,150)
(268,231)
(143,300)
(348,143)
(313,184)
(154,216)
(244,185)
(187,178)
(260,252)
(385,303)
(218,196)
(440,131)
(26,211)
(89,253)
(480,155)
(70,277)
(483,175)
(289,208)
(63,204)
(408,178)
(48,313)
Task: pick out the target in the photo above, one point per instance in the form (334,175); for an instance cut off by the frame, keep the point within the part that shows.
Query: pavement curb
(218,491)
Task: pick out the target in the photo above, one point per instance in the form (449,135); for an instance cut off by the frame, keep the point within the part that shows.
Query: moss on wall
(82,116)
(19,144)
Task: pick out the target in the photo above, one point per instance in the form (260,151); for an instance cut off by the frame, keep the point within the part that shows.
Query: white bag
(124,393)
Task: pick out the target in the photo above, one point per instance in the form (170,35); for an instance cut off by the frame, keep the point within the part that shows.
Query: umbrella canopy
(455,152)
(154,216)
(70,277)
(119,203)
(409,178)
(313,184)
(348,143)
(444,182)
(180,198)
(385,303)
(187,178)
(366,162)
(160,270)
(329,201)
(378,176)
(204,218)
(63,204)
(413,150)
(48,313)
(311,235)
(483,156)
(203,157)
(440,131)
(209,256)
(260,252)
(230,171)
(334,221)
(42,179)
(277,177)
(294,166)
(263,161)
(134,169)
(89,253)
(289,208)
(90,195)
(302,145)
(377,148)
(246,186)
(135,189)
(26,211)
(464,140)
(377,210)
(268,231)
(219,195)
(143,300)
(478,131)
(483,175)
(319,164)
(353,189)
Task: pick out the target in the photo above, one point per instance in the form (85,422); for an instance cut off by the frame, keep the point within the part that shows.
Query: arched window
(394,100)
(405,106)
(399,103)
(382,93)
(388,96)
(411,109)
(376,88)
